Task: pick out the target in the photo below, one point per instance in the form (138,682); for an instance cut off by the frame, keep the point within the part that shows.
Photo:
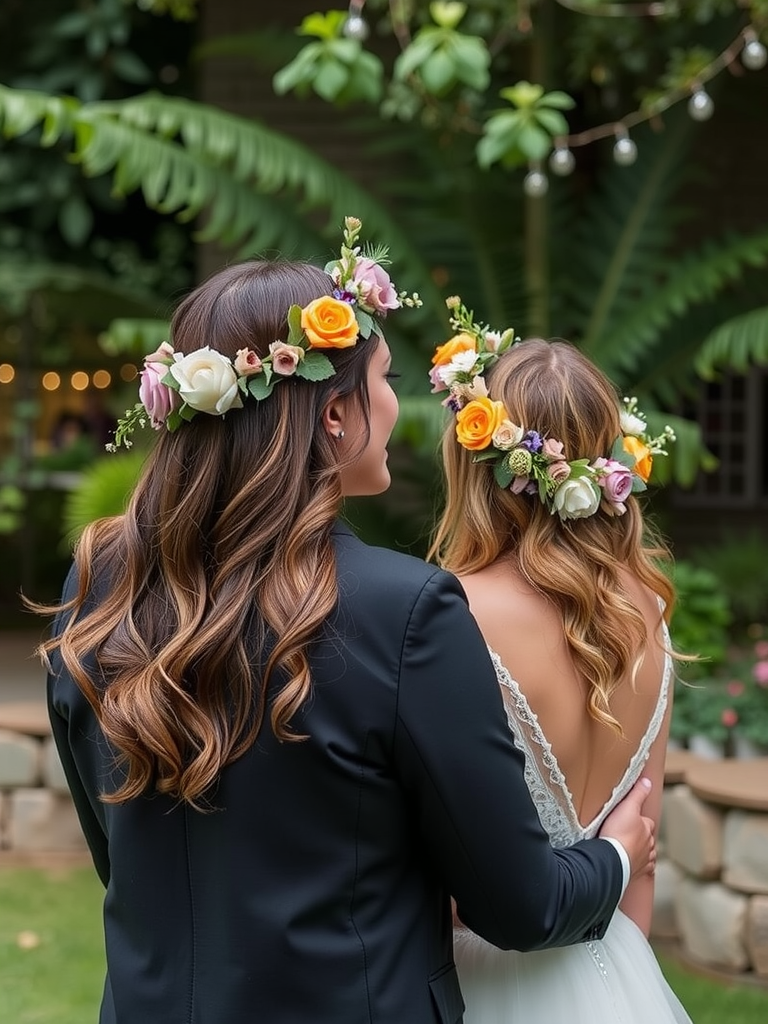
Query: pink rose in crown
(615,479)
(553,450)
(559,471)
(437,382)
(157,398)
(163,354)
(374,288)
(285,358)
(246,362)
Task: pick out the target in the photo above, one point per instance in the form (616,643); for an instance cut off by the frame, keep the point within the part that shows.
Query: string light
(562,161)
(754,55)
(7,373)
(51,381)
(535,183)
(700,105)
(128,372)
(79,380)
(624,150)
(102,379)
(356,27)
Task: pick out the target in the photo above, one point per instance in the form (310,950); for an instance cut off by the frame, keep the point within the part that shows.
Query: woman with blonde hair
(543,529)
(276,736)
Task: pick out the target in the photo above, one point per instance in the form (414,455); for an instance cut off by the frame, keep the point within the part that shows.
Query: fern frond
(186,157)
(692,280)
(735,344)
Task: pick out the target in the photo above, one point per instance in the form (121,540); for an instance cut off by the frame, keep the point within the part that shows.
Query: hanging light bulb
(562,161)
(624,151)
(535,183)
(700,106)
(754,55)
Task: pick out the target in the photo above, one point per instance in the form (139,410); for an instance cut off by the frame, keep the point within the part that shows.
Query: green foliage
(186,157)
(700,619)
(103,490)
(736,344)
(439,58)
(526,133)
(738,563)
(337,69)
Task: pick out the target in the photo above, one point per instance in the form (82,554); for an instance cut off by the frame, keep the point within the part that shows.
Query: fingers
(639,792)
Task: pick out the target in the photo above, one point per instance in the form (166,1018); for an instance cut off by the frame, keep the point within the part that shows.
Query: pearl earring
(340,435)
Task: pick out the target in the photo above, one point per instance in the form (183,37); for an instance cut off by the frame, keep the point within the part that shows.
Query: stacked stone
(712,878)
(36,811)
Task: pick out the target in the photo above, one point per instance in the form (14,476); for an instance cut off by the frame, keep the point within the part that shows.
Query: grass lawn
(52,965)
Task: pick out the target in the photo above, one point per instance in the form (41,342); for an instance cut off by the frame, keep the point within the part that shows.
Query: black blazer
(319,892)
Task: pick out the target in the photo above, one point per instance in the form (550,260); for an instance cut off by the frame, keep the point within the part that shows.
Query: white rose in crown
(632,425)
(576,499)
(207,381)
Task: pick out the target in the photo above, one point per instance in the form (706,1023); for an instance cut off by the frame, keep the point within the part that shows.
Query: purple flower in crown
(344,296)
(452,402)
(532,441)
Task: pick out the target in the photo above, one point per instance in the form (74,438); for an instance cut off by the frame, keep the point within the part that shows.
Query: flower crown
(174,388)
(524,460)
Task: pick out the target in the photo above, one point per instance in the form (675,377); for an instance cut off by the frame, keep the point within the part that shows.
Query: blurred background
(579,169)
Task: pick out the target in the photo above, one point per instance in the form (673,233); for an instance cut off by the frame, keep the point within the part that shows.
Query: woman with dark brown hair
(544,530)
(287,748)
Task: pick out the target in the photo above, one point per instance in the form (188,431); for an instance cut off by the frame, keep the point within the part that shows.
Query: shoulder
(373,574)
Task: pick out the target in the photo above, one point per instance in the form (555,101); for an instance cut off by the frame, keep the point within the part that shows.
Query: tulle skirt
(612,981)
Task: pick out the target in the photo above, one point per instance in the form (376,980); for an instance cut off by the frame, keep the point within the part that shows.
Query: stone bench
(37,815)
(712,874)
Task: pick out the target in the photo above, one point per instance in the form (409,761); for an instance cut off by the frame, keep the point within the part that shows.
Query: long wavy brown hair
(221,571)
(552,388)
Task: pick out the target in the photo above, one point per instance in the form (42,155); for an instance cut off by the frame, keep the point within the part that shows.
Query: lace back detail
(543,776)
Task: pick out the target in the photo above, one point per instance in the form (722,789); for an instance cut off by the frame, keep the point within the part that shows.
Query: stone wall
(36,811)
(712,874)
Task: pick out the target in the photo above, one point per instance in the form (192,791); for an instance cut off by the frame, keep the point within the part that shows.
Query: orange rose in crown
(459,343)
(329,323)
(477,422)
(641,454)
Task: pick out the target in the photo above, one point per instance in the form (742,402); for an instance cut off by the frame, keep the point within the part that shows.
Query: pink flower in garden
(760,672)
(374,288)
(729,717)
(735,688)
(157,398)
(761,648)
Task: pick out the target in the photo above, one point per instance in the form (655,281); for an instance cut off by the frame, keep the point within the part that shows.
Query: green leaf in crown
(259,386)
(315,366)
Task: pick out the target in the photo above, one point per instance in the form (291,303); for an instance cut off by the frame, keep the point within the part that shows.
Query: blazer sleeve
(456,758)
(74,728)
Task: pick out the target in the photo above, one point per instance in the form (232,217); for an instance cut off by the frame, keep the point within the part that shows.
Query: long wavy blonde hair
(552,388)
(222,570)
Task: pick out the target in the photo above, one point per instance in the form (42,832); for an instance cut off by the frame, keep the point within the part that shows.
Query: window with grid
(733,415)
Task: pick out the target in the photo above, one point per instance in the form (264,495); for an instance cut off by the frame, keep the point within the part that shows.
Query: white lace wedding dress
(612,981)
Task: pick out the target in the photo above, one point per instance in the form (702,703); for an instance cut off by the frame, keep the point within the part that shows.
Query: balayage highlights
(225,547)
(554,389)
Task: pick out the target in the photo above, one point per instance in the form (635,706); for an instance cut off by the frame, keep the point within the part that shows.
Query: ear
(335,416)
